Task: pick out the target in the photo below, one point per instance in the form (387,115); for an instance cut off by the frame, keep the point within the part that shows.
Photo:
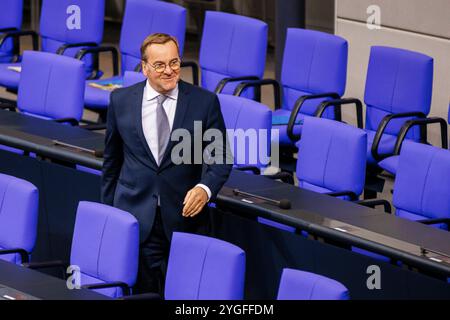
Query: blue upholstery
(422,184)
(332,156)
(314,62)
(247,118)
(19,202)
(45,89)
(231,46)
(397,81)
(301,285)
(105,246)
(204,268)
(131,77)
(55,33)
(141,18)
(10,17)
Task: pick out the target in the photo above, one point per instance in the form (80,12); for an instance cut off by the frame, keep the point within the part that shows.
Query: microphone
(283,203)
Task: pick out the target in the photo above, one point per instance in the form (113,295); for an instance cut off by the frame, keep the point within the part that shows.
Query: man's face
(158,55)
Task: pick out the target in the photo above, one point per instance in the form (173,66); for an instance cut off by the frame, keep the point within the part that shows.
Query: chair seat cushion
(390,164)
(99,98)
(9,78)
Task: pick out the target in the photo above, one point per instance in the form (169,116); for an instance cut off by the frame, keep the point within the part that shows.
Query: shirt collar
(152,93)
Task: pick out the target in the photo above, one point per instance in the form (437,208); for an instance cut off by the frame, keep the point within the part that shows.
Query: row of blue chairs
(332,154)
(199,267)
(232,60)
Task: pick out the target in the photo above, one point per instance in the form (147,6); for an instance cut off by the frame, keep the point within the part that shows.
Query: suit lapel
(138,95)
(180,113)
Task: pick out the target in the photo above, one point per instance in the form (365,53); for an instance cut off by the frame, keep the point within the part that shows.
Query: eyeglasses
(160,67)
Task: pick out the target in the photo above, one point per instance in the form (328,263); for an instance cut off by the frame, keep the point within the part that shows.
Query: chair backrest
(51,86)
(19,202)
(301,285)
(105,245)
(204,268)
(422,183)
(131,77)
(71,21)
(332,156)
(397,81)
(144,17)
(249,126)
(313,62)
(10,17)
(231,46)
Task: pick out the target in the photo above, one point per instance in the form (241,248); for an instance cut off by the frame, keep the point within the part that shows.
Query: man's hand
(195,200)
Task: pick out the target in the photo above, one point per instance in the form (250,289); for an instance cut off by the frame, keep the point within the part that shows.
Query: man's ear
(144,68)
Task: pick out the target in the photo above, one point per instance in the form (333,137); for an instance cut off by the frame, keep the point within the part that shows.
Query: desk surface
(40,285)
(321,214)
(38,135)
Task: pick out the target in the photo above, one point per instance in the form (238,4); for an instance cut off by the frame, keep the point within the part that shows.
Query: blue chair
(105,250)
(233,49)
(421,188)
(314,70)
(390,164)
(250,124)
(131,77)
(56,37)
(45,90)
(10,20)
(204,268)
(398,88)
(332,160)
(141,18)
(422,185)
(18,218)
(301,285)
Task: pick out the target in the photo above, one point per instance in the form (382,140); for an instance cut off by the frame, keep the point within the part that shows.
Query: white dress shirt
(149,125)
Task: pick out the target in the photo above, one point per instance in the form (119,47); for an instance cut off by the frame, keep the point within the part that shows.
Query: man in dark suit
(141,174)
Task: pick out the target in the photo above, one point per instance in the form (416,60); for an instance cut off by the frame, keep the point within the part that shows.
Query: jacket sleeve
(113,156)
(221,161)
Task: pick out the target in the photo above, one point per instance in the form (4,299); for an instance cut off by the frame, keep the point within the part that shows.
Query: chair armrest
(435,221)
(194,68)
(16,35)
(374,203)
(125,288)
(94,127)
(253,169)
(382,126)
(142,296)
(336,194)
(222,83)
(258,84)
(138,67)
(283,176)
(298,105)
(24,255)
(341,102)
(422,123)
(72,121)
(95,51)
(8,29)
(48,264)
(66,46)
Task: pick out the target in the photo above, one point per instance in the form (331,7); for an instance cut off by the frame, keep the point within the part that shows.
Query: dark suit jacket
(131,178)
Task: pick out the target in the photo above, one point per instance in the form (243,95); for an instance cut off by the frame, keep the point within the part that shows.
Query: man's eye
(159,65)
